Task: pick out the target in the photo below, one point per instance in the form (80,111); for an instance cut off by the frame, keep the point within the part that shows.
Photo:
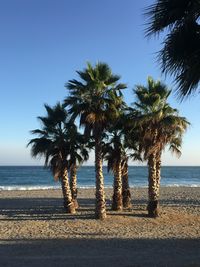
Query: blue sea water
(37,177)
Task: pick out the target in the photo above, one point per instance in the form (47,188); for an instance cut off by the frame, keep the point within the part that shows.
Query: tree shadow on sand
(41,209)
(52,209)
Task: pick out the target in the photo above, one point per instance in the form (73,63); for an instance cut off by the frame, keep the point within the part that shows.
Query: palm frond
(180,55)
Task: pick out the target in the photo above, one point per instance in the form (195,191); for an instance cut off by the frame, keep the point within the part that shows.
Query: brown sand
(35,231)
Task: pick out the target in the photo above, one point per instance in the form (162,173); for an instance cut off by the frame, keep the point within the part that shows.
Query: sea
(38,177)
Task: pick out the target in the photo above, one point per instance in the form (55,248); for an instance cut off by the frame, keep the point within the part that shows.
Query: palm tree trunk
(158,172)
(100,212)
(68,203)
(126,193)
(153,190)
(117,203)
(73,184)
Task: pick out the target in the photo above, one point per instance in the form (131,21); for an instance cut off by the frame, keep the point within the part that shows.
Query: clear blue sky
(43,43)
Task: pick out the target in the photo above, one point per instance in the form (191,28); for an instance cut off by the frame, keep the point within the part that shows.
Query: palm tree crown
(97,98)
(157,122)
(52,142)
(180,55)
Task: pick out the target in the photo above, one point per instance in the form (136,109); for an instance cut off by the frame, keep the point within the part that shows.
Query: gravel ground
(35,230)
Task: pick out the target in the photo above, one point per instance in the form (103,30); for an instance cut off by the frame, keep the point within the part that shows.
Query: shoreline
(35,230)
(57,187)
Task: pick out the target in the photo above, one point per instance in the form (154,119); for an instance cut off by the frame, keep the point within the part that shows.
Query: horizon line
(26,165)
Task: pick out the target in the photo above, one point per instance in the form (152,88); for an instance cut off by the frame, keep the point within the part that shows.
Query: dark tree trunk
(73,184)
(100,211)
(153,190)
(117,203)
(126,193)
(68,203)
(158,172)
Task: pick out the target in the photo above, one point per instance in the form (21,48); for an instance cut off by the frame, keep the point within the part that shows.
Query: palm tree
(96,100)
(171,132)
(117,152)
(159,125)
(112,152)
(53,144)
(130,150)
(180,55)
(78,153)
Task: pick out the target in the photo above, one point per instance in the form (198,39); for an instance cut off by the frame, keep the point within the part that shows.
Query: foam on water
(27,188)
(32,188)
(182,185)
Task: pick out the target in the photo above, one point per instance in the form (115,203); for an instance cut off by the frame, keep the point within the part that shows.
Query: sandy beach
(35,231)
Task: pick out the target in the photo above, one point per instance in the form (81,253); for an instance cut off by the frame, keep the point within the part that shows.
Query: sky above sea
(43,43)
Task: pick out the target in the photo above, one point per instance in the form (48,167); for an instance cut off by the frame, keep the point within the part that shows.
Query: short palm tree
(112,151)
(130,150)
(180,55)
(159,126)
(53,144)
(117,152)
(78,153)
(96,100)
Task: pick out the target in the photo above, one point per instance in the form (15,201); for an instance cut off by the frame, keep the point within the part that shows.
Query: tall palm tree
(53,144)
(159,125)
(180,55)
(96,100)
(78,153)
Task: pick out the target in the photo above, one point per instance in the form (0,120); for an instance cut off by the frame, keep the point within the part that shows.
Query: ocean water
(38,177)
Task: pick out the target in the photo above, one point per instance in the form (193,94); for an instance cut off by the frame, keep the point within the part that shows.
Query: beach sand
(35,230)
